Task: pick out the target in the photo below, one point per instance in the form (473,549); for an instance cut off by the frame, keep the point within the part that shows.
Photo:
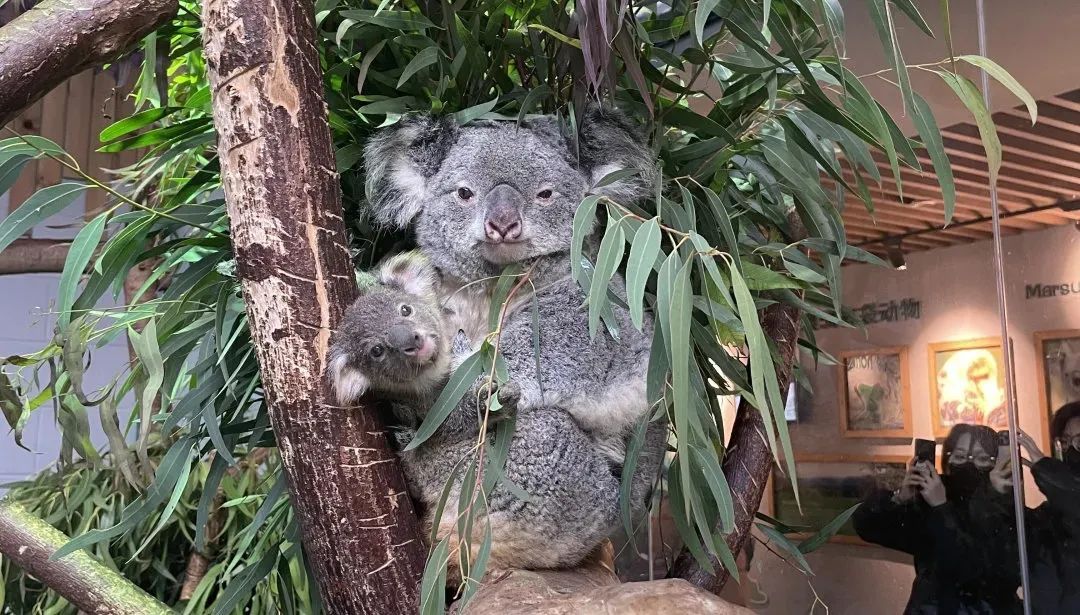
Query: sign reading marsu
(1043,291)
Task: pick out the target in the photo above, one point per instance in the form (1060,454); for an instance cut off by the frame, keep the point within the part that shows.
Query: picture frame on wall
(1057,361)
(829,485)
(967,384)
(874,393)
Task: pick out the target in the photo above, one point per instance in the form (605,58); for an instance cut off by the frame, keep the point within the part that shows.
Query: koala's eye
(464,193)
(406,310)
(544,194)
(377,351)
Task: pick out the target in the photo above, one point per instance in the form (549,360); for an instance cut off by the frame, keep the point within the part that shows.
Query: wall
(958,301)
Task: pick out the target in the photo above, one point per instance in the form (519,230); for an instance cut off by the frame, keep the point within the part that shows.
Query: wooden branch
(29,543)
(359,530)
(57,39)
(34,256)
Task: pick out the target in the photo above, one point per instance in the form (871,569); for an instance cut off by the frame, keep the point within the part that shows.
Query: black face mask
(1071,457)
(963,481)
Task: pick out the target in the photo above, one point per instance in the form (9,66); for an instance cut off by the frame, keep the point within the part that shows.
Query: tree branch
(34,256)
(60,38)
(29,542)
(359,530)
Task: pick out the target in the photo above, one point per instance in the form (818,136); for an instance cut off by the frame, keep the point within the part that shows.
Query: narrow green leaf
(465,116)
(972,99)
(573,42)
(643,253)
(824,534)
(612,248)
(420,61)
(406,21)
(722,216)
(786,545)
(134,122)
(909,9)
(10,169)
(433,582)
(718,485)
(501,291)
(34,210)
(82,249)
(762,278)
(460,382)
(584,222)
(1003,77)
(532,99)
(701,17)
(365,65)
(678,332)
(931,138)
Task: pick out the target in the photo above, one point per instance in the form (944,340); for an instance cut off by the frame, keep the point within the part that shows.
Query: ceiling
(1040,164)
(1038,182)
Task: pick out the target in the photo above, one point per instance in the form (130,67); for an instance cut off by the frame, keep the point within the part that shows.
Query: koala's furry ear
(609,141)
(412,272)
(349,383)
(399,161)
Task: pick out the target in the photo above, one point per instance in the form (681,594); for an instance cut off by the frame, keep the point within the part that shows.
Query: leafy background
(746,216)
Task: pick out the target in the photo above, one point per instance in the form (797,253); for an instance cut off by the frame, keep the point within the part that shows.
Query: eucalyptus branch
(97,184)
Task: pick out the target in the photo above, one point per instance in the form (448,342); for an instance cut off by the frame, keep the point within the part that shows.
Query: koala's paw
(509,395)
(402,436)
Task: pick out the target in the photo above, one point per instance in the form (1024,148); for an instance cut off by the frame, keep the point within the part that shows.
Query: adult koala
(492,193)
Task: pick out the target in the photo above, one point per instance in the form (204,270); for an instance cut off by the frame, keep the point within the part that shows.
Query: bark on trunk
(34,256)
(29,542)
(60,38)
(360,532)
(749,459)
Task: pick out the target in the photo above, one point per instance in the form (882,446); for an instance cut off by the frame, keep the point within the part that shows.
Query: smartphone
(1003,438)
(926,450)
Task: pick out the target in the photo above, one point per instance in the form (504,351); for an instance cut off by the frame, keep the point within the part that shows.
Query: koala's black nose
(405,338)
(502,221)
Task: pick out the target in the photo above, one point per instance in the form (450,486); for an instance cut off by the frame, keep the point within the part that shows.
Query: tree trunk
(29,543)
(749,459)
(34,256)
(60,38)
(360,532)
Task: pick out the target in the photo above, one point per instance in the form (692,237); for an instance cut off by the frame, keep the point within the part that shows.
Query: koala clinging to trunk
(393,342)
(491,193)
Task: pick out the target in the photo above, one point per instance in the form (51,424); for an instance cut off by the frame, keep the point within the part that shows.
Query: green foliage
(751,112)
(154,551)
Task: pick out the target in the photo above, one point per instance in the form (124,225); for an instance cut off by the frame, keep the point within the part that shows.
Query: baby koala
(396,341)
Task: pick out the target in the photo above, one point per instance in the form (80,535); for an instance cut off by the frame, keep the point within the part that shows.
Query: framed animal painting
(967,384)
(1057,359)
(875,393)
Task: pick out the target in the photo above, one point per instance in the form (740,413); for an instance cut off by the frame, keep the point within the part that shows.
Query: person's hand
(930,486)
(1028,444)
(1001,478)
(908,488)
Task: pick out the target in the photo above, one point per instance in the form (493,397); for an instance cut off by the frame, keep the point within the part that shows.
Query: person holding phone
(954,524)
(1054,527)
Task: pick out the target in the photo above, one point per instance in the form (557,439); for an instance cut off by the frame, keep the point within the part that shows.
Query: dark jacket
(959,550)
(1054,540)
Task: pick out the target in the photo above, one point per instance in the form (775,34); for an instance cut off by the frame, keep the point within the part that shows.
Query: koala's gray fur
(549,456)
(456,185)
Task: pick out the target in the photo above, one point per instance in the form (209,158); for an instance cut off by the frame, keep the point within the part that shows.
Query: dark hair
(979,433)
(1062,417)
